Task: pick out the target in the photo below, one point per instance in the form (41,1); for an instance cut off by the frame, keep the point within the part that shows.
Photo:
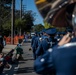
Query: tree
(28,19)
(26,22)
(5,8)
(18,24)
(37,28)
(5,15)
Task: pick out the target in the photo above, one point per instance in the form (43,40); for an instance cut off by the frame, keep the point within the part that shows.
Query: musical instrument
(57,12)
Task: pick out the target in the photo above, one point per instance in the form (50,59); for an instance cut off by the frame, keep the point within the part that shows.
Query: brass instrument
(59,13)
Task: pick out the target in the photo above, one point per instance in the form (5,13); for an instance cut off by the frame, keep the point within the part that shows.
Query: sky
(30,5)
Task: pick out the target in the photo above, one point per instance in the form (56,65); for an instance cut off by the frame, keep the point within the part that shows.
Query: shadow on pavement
(27,59)
(21,62)
(25,70)
(11,71)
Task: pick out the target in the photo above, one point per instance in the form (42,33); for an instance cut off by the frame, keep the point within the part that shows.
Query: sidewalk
(8,48)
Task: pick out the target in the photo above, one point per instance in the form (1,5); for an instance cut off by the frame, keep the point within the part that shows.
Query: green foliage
(47,25)
(26,22)
(7,26)
(6,1)
(5,18)
(29,16)
(18,23)
(5,8)
(28,19)
(38,27)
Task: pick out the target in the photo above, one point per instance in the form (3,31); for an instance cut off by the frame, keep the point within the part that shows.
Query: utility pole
(20,13)
(12,21)
(23,8)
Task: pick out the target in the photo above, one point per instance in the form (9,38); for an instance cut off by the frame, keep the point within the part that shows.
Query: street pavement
(23,67)
(8,48)
(14,67)
(26,65)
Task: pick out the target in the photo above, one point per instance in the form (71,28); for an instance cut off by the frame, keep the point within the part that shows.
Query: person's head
(51,32)
(42,32)
(36,33)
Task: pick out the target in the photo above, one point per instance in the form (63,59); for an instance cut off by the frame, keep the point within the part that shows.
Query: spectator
(3,63)
(19,52)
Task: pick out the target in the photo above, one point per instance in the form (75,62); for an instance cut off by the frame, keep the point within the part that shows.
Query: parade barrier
(8,40)
(16,39)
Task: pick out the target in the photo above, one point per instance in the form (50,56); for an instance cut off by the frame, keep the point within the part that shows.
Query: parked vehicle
(32,34)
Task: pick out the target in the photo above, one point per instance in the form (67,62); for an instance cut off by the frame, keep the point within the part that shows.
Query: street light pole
(12,21)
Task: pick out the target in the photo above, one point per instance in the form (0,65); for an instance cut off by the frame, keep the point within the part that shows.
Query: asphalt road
(25,66)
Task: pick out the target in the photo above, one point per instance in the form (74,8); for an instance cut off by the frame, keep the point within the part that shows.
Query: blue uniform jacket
(43,47)
(32,41)
(36,42)
(60,60)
